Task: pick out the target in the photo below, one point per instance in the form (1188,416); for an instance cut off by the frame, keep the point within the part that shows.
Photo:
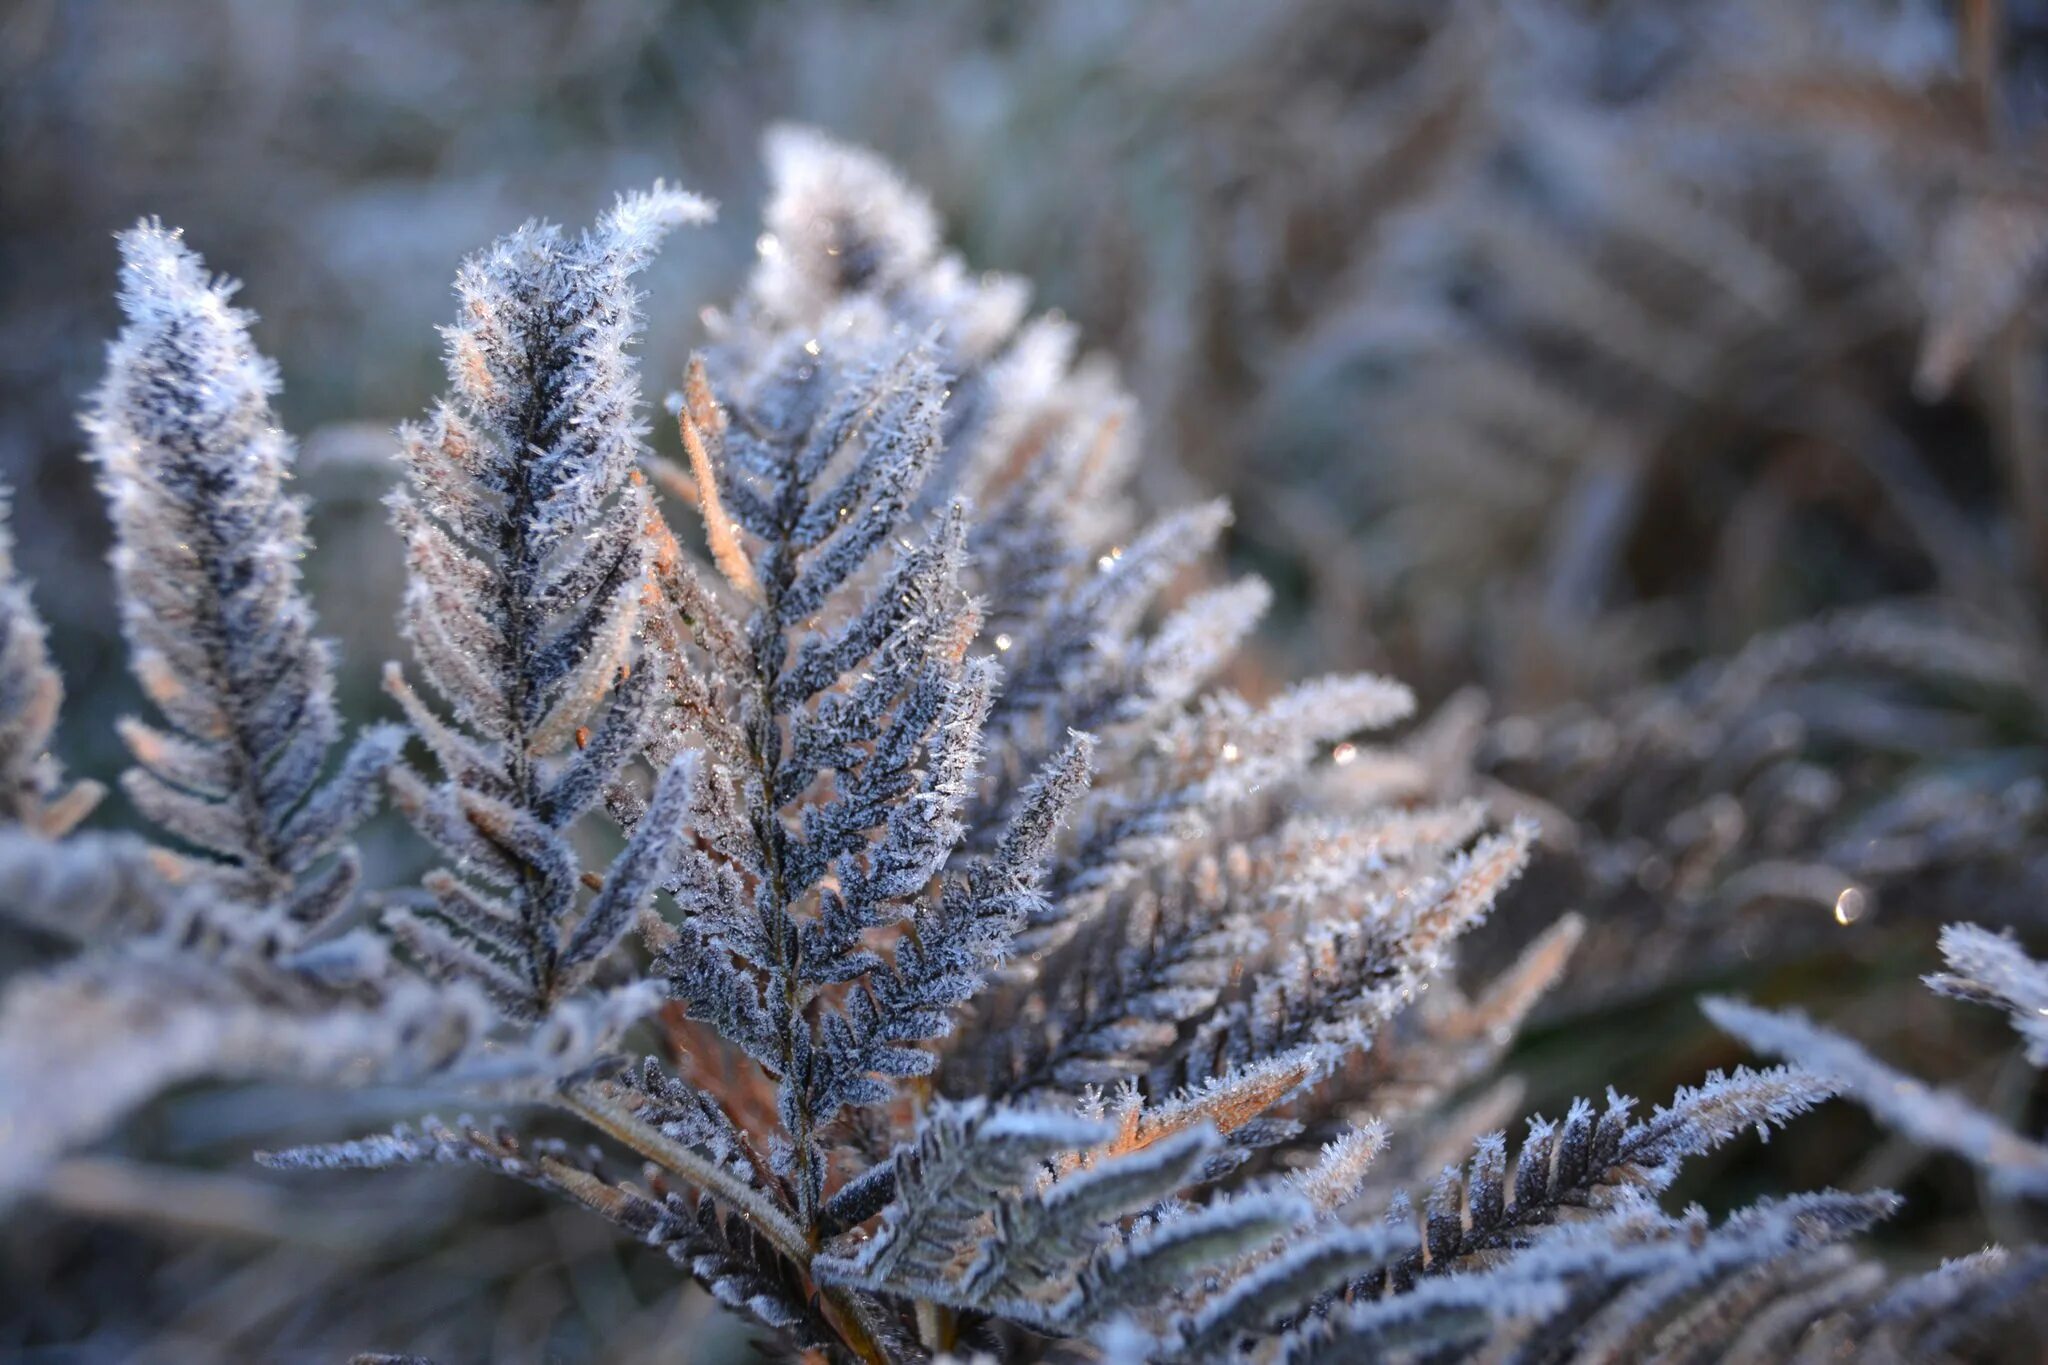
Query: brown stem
(614,1120)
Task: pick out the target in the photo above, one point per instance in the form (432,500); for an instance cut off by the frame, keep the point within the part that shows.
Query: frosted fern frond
(1111,1002)
(1591,1161)
(968,1163)
(1449,1041)
(229,966)
(525,519)
(94,889)
(1740,1269)
(1017,1213)
(1919,1111)
(725,1252)
(1929,1316)
(1990,969)
(180,985)
(33,793)
(841,220)
(1019,988)
(1755,832)
(838,792)
(155,1016)
(1352,973)
(1617,1288)
(878,786)
(207,547)
(411,1144)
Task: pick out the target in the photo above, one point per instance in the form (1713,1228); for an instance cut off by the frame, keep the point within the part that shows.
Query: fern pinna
(976,971)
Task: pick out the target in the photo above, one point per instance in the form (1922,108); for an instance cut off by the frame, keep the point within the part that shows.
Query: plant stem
(613,1119)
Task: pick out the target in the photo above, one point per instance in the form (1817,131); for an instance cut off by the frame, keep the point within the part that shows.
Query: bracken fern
(974,972)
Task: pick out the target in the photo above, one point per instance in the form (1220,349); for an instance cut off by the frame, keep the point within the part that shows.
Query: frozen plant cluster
(938,958)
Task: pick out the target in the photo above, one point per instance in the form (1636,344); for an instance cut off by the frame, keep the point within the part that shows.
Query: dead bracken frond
(971,969)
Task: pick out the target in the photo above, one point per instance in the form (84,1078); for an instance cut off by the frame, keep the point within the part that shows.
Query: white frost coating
(1990,969)
(207,551)
(1937,1118)
(525,525)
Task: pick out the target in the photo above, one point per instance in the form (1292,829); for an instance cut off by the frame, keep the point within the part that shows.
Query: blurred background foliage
(1658,386)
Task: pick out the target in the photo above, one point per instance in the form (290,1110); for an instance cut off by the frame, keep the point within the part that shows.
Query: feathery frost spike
(524,520)
(207,547)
